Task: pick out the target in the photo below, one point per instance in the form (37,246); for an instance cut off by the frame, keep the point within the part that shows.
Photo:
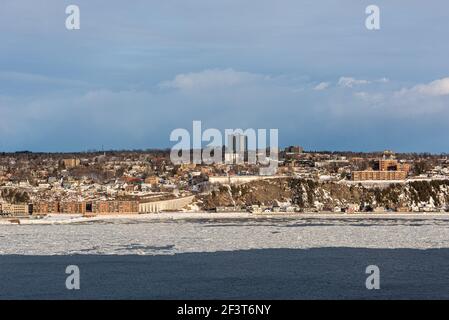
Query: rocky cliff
(328,195)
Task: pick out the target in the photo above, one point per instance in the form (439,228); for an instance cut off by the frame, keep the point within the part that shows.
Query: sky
(134,72)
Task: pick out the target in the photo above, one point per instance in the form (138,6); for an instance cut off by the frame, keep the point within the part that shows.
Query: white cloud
(321,86)
(435,88)
(369,97)
(349,82)
(212,78)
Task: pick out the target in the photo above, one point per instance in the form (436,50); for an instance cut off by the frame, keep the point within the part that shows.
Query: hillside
(308,194)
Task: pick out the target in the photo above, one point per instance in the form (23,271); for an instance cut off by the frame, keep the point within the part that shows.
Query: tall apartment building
(237,148)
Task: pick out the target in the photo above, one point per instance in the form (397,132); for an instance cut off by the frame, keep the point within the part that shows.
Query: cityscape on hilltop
(139,182)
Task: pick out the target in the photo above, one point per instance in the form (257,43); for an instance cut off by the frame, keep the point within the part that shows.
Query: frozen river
(160,235)
(264,258)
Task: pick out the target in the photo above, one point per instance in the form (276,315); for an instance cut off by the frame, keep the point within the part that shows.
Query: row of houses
(85,207)
(54,207)
(94,207)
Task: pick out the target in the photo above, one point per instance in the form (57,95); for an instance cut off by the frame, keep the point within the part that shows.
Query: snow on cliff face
(327,195)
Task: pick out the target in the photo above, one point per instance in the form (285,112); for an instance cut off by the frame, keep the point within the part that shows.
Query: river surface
(241,258)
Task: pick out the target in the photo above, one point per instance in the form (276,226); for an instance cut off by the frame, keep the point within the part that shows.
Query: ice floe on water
(178,233)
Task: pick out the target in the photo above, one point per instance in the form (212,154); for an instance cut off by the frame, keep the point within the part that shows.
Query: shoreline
(53,219)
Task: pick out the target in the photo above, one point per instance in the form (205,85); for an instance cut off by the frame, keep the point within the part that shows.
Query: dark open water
(324,273)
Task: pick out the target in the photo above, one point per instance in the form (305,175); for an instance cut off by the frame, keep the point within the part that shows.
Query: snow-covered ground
(173,233)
